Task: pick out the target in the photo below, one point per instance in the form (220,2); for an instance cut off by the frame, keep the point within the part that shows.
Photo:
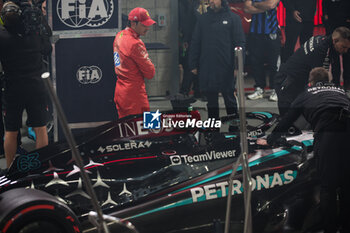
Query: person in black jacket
(331,52)
(188,15)
(21,57)
(335,13)
(327,108)
(299,22)
(212,56)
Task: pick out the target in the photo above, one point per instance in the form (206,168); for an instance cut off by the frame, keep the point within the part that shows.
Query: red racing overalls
(132,65)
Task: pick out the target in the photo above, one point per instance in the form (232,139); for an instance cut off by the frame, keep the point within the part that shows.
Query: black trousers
(293,30)
(264,49)
(287,90)
(213,102)
(331,150)
(2,126)
(189,79)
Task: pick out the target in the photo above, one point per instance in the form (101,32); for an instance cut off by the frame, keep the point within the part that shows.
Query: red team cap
(141,15)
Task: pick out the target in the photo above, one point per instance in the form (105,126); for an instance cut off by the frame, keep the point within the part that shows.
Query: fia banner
(68,15)
(85,84)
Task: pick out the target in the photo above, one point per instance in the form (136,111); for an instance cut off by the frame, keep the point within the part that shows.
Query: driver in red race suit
(132,64)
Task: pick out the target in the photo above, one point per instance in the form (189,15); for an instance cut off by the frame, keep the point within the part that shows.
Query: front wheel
(41,227)
(34,211)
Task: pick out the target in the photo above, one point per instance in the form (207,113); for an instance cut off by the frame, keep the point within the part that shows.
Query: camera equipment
(31,16)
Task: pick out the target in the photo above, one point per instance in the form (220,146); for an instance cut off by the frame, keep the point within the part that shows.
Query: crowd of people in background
(310,81)
(209,30)
(266,48)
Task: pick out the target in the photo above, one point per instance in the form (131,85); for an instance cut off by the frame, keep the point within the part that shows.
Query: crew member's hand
(261,142)
(194,71)
(325,17)
(296,15)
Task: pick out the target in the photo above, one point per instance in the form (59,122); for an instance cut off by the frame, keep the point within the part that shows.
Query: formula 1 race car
(166,179)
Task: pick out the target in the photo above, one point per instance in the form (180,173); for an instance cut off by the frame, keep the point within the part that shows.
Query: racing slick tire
(33,211)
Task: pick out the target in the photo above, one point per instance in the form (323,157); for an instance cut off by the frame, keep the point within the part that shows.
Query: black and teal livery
(172,180)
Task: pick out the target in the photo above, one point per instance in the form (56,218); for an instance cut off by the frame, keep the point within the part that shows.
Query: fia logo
(79,13)
(89,74)
(151,120)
